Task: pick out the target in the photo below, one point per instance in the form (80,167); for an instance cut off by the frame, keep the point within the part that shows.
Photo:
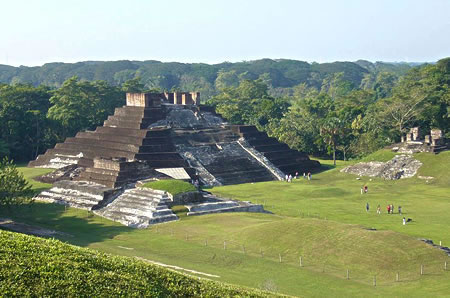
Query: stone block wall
(144,99)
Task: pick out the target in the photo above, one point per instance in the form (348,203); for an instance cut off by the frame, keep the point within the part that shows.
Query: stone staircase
(139,208)
(217,156)
(279,154)
(78,194)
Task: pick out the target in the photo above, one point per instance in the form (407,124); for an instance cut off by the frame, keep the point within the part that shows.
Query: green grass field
(323,221)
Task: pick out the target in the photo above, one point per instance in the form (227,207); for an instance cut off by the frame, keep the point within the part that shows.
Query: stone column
(415,133)
(409,137)
(177,98)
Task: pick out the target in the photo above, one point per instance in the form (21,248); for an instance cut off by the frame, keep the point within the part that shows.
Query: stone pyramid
(123,149)
(159,134)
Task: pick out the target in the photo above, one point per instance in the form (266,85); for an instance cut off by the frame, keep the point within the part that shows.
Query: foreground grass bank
(31,266)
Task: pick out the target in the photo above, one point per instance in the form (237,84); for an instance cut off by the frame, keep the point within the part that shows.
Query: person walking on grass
(378,209)
(404,221)
(392,208)
(399,209)
(367,207)
(388,209)
(362,190)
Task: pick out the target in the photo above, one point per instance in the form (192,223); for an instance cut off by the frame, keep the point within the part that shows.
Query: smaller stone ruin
(401,166)
(413,143)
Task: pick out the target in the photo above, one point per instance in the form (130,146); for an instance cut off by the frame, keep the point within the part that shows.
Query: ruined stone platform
(213,204)
(160,136)
(139,208)
(400,167)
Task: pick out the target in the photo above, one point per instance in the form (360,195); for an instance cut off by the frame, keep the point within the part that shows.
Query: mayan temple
(161,136)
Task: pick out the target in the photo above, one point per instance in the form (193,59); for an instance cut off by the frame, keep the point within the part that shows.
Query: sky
(36,32)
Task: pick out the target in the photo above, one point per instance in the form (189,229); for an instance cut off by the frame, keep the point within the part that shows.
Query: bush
(32,266)
(14,188)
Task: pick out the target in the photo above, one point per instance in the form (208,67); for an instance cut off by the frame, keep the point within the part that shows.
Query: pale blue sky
(37,32)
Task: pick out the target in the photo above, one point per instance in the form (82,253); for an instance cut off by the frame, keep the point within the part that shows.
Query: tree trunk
(334,154)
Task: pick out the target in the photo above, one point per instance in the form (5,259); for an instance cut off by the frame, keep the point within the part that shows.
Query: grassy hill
(323,221)
(31,266)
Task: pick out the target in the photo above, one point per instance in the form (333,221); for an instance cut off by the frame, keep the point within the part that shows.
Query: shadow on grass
(82,227)
(38,190)
(324,168)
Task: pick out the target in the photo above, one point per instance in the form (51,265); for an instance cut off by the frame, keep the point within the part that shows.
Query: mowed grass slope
(336,196)
(323,221)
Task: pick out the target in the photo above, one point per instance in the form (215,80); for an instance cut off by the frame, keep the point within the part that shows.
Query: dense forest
(343,108)
(208,79)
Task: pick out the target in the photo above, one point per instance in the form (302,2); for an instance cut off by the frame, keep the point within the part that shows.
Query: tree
(404,107)
(242,104)
(133,86)
(226,79)
(384,83)
(336,86)
(330,130)
(14,189)
(22,119)
(4,150)
(79,105)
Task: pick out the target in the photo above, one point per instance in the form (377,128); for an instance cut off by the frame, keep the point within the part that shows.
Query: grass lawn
(171,185)
(323,221)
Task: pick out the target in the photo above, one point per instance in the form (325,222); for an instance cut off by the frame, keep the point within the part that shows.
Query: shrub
(37,267)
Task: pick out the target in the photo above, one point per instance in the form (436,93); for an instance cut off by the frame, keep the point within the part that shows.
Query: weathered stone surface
(139,207)
(66,173)
(401,166)
(434,142)
(214,204)
(78,194)
(179,116)
(187,198)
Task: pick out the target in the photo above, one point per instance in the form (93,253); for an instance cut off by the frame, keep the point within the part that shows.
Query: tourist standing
(296,175)
(392,208)
(287,178)
(388,209)
(404,221)
(367,207)
(378,209)
(399,209)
